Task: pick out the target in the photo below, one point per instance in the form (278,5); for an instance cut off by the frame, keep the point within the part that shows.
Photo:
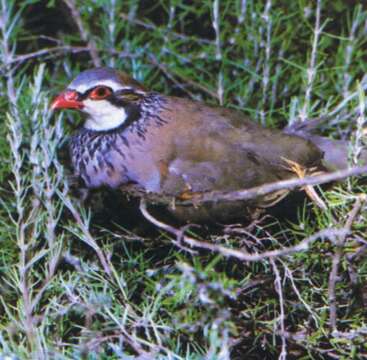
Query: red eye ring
(100,93)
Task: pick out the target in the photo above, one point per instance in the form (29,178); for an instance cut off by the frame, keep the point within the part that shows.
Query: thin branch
(279,290)
(241,255)
(83,32)
(348,52)
(311,71)
(87,236)
(52,51)
(171,75)
(249,194)
(288,274)
(47,51)
(266,16)
(339,252)
(151,26)
(291,184)
(22,220)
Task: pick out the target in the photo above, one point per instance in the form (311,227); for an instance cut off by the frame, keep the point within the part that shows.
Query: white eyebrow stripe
(111,84)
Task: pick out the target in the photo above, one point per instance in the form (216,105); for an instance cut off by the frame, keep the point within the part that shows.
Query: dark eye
(100,92)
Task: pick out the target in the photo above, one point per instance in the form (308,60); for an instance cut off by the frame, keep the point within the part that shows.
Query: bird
(177,147)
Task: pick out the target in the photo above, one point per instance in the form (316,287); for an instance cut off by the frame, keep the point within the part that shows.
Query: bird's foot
(192,196)
(301,172)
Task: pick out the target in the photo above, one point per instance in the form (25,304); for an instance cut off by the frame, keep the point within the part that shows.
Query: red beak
(67,100)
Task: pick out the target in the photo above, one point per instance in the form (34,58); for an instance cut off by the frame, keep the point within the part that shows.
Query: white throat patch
(103,115)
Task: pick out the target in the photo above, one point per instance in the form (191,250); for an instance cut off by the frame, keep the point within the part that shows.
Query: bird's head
(107,96)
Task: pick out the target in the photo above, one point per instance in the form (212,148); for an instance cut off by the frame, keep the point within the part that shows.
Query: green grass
(160,301)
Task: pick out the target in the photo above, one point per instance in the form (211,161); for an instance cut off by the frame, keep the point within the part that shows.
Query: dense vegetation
(278,61)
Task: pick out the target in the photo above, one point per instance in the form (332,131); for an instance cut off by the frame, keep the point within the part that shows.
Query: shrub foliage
(96,280)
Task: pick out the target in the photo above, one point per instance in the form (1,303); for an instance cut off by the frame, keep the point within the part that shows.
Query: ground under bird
(175,147)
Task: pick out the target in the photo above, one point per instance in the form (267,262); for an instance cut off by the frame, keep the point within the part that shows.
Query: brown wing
(219,149)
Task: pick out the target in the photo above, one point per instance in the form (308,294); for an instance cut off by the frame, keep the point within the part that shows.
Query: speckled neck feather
(99,157)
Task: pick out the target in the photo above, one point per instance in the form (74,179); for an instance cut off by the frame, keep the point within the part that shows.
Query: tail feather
(336,152)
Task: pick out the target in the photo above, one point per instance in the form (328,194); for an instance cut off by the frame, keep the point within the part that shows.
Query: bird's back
(220,149)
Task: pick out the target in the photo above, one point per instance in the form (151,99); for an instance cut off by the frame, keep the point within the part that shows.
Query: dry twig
(173,75)
(291,184)
(279,290)
(151,26)
(83,32)
(241,255)
(247,194)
